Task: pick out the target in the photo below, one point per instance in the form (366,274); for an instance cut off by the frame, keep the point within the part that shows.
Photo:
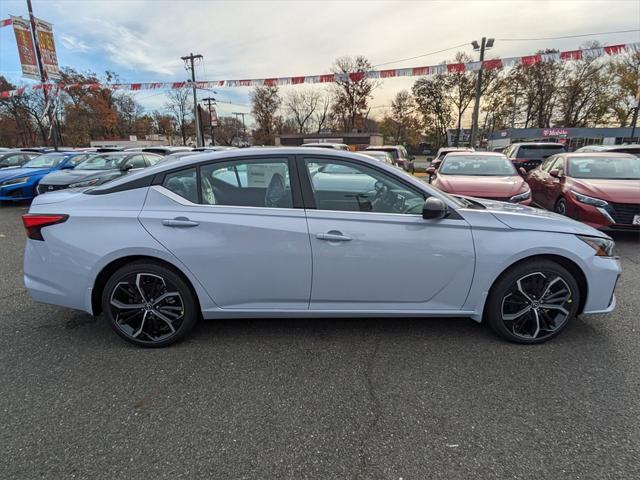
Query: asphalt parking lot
(321,399)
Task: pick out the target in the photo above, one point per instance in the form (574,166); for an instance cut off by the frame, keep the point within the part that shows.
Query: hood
(67,177)
(617,191)
(11,173)
(521,217)
(477,186)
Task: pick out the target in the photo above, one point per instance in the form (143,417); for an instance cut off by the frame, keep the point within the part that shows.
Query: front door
(372,250)
(234,225)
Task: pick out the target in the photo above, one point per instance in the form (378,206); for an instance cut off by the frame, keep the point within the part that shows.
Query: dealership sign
(26,50)
(44,30)
(555,132)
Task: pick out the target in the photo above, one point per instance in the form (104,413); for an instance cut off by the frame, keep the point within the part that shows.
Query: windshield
(45,161)
(538,152)
(392,151)
(106,161)
(377,155)
(632,150)
(621,168)
(480,165)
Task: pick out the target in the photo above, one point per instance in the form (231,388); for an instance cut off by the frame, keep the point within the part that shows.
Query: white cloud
(72,43)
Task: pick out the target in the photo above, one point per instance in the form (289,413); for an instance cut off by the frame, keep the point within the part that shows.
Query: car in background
(531,154)
(385,157)
(498,149)
(330,145)
(21,183)
(100,149)
(98,169)
(46,149)
(400,156)
(192,241)
(442,152)
(165,150)
(599,189)
(633,149)
(213,148)
(178,155)
(481,174)
(15,158)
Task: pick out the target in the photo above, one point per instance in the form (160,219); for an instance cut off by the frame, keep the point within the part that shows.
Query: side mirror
(434,209)
(67,166)
(126,167)
(522,171)
(555,173)
(431,170)
(412,157)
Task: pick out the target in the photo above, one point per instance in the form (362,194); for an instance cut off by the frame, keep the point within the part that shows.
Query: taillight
(35,222)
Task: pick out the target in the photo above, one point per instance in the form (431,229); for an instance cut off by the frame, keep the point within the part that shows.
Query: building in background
(573,138)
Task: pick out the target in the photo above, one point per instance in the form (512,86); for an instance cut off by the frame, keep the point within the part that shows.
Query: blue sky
(142,40)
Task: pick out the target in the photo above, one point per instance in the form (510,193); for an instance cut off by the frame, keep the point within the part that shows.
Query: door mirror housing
(555,173)
(434,209)
(431,170)
(126,167)
(522,171)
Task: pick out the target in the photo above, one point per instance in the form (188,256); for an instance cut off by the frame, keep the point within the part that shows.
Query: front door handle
(333,236)
(180,222)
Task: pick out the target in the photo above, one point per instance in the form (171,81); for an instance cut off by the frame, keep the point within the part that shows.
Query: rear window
(632,151)
(392,151)
(539,152)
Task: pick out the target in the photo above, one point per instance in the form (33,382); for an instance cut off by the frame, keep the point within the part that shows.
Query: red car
(599,189)
(531,154)
(480,174)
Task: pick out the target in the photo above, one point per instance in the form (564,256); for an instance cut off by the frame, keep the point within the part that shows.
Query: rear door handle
(333,236)
(180,222)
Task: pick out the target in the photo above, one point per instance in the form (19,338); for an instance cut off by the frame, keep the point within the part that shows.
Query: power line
(566,36)
(423,55)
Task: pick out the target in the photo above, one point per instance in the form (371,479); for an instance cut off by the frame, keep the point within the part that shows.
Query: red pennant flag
(327,78)
(614,49)
(571,55)
(492,64)
(455,67)
(297,80)
(418,71)
(387,73)
(531,60)
(271,82)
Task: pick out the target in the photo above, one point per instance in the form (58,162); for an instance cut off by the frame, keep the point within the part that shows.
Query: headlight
(521,197)
(88,183)
(602,246)
(14,181)
(596,202)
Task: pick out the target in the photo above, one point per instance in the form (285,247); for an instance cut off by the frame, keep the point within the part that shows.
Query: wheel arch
(111,267)
(572,267)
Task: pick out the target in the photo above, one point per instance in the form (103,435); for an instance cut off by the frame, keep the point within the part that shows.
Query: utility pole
(190,58)
(43,77)
(209,100)
(244,128)
(484,44)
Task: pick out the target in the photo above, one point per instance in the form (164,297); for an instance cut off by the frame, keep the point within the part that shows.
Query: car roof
(599,155)
(475,153)
(535,144)
(378,147)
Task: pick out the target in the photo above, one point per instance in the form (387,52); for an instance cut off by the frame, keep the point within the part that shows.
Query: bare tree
(461,91)
(352,91)
(301,105)
(265,104)
(402,108)
(434,105)
(179,107)
(322,116)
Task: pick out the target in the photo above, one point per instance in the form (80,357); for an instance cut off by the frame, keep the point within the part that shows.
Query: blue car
(20,183)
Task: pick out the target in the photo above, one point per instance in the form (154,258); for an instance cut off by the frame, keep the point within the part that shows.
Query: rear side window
(183,183)
(245,183)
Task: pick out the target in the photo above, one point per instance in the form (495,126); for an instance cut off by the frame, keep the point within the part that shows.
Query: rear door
(239,227)
(372,250)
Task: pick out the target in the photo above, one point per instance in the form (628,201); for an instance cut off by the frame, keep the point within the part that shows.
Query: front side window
(152,159)
(346,186)
(247,183)
(558,164)
(106,161)
(183,183)
(137,161)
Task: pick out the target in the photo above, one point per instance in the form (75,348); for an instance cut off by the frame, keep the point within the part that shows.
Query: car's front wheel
(561,206)
(149,304)
(533,302)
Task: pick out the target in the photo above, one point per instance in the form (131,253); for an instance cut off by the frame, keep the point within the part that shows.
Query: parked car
(178,155)
(21,183)
(15,158)
(165,150)
(196,239)
(381,156)
(46,149)
(97,169)
(442,152)
(498,149)
(481,174)
(530,155)
(329,145)
(629,148)
(400,156)
(599,189)
(213,148)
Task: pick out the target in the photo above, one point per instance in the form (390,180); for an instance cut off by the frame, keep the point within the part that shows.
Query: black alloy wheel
(149,304)
(533,302)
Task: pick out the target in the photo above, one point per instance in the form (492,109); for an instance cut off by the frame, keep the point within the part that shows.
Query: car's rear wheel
(561,206)
(533,302)
(149,304)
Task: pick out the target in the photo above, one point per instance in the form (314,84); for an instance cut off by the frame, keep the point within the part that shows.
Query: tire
(516,310)
(149,304)
(561,206)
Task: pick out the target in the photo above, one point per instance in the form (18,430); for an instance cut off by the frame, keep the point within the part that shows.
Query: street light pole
(484,44)
(209,100)
(190,58)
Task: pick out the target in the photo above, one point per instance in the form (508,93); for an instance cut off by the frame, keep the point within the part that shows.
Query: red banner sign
(26,50)
(44,31)
(214,118)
